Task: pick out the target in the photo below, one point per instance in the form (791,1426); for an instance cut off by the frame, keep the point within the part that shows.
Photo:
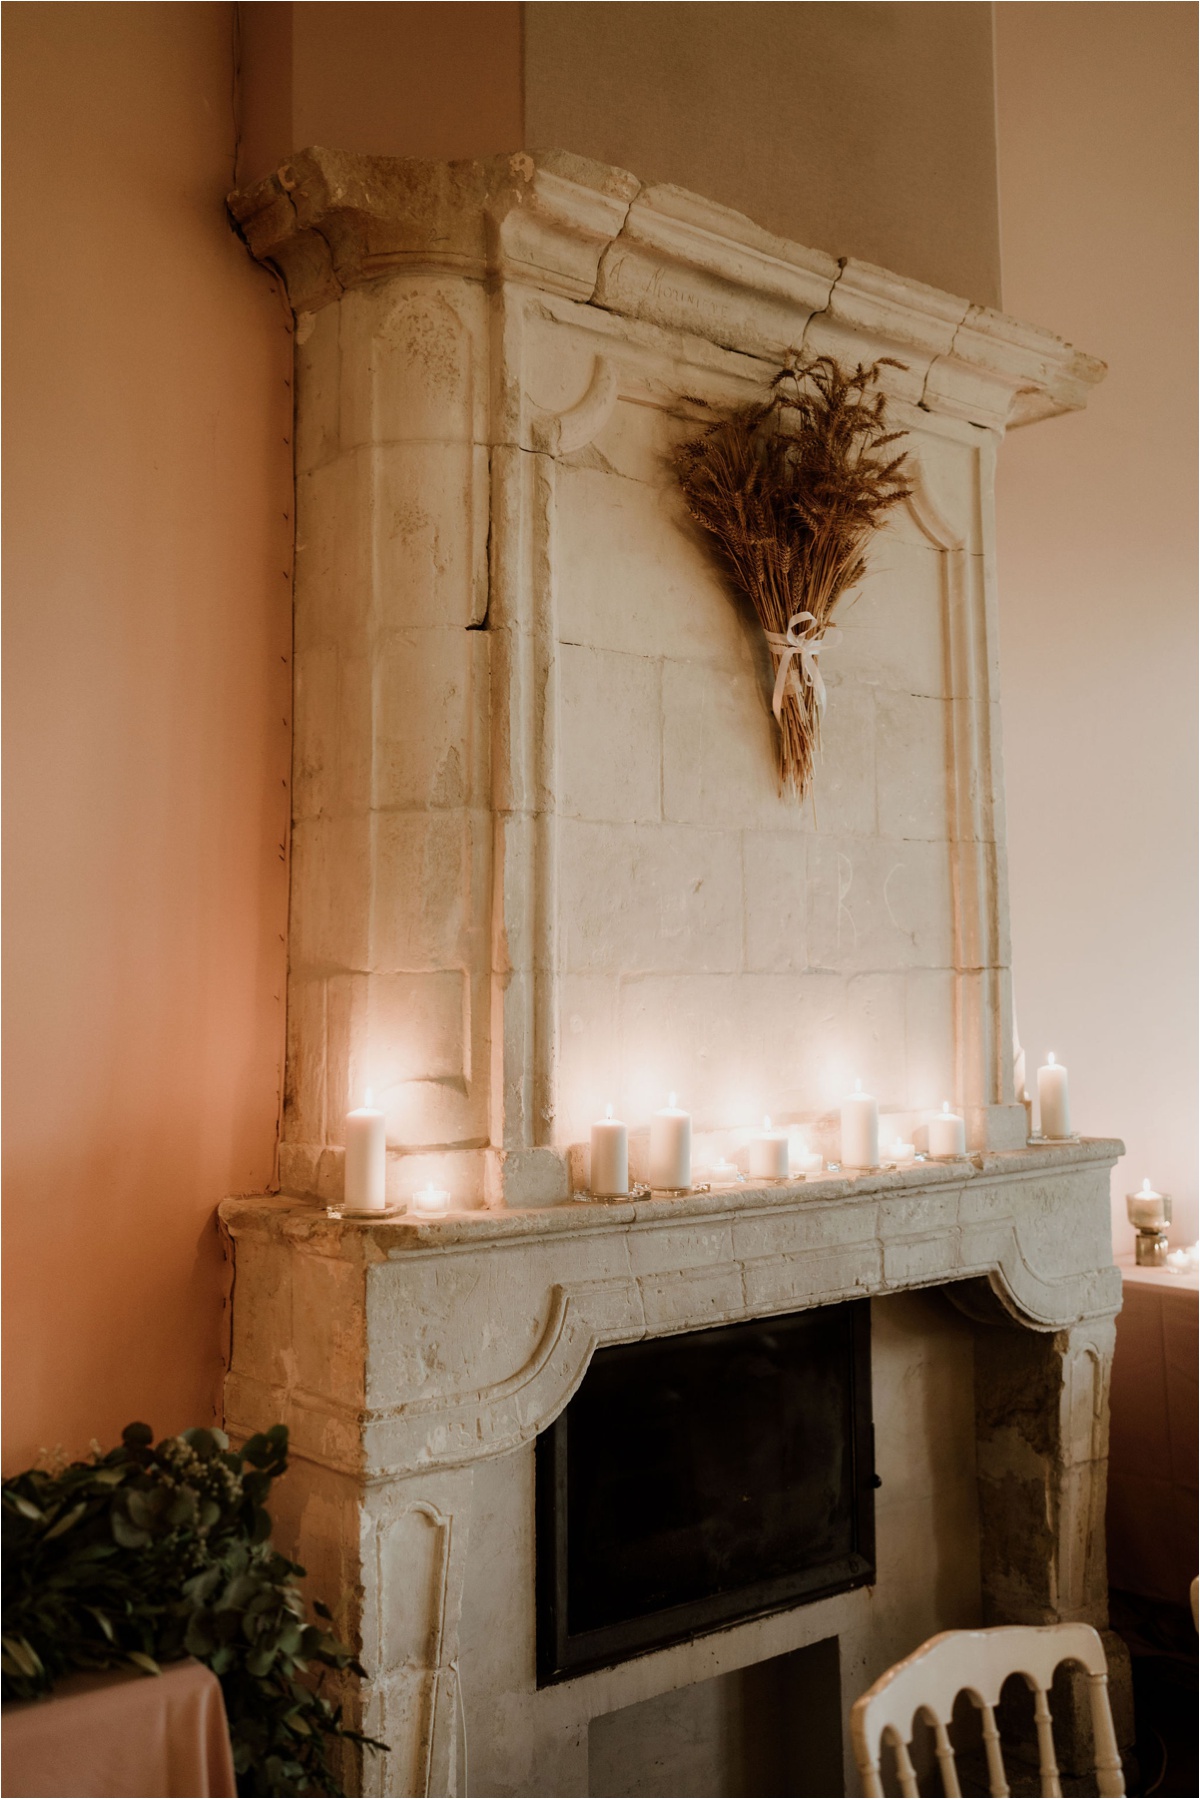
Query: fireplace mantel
(504,1310)
(407,1356)
(540,862)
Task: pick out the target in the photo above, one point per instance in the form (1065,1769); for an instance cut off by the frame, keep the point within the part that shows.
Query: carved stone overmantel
(499,598)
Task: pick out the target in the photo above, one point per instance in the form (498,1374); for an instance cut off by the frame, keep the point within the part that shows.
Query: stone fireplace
(540,862)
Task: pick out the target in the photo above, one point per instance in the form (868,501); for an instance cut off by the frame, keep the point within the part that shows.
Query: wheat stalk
(791,488)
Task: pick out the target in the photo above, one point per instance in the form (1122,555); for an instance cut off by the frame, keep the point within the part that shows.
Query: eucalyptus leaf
(64,1523)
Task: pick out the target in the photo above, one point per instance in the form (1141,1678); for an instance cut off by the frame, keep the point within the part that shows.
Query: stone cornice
(559,224)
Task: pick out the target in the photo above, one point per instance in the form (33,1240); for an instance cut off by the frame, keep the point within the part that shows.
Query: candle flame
(1146,1187)
(945,1105)
(858,1086)
(1050,1058)
(671,1100)
(370,1096)
(608,1111)
(766,1122)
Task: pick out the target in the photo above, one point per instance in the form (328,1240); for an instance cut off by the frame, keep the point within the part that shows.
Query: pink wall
(1097,526)
(146,687)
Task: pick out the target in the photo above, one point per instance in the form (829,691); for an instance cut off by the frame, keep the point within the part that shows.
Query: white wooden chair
(978,1662)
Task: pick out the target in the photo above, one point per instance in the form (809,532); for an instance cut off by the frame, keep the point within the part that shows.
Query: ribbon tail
(812,669)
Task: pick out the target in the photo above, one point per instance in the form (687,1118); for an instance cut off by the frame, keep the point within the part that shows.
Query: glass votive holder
(430,1202)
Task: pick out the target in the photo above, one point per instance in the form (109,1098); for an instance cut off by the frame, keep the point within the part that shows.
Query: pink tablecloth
(1152,1480)
(121,1734)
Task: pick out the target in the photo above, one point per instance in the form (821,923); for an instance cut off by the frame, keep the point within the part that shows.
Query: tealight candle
(723,1174)
(610,1157)
(769,1154)
(1054,1102)
(431,1202)
(860,1129)
(365,1179)
(947,1133)
(901,1153)
(671,1148)
(801,1159)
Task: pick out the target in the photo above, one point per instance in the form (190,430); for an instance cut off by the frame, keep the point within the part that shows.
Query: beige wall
(413,79)
(1097,517)
(146,715)
(866,130)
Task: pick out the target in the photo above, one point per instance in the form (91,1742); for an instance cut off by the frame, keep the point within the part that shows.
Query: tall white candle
(366,1159)
(860,1129)
(947,1133)
(671,1148)
(769,1154)
(1054,1102)
(610,1157)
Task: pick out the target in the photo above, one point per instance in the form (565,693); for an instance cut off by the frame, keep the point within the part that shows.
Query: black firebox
(698,1480)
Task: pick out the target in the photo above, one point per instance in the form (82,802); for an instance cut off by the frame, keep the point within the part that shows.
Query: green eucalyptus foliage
(150,1553)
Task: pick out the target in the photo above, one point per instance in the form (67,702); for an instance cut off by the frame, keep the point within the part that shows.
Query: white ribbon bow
(807,646)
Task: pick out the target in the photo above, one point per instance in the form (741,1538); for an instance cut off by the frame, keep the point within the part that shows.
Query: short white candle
(671,1148)
(1054,1102)
(947,1133)
(901,1153)
(860,1129)
(610,1157)
(431,1202)
(722,1174)
(769,1154)
(801,1159)
(365,1180)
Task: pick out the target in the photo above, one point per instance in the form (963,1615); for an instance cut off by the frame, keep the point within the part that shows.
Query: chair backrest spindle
(905,1770)
(1047,1766)
(997,1784)
(945,1755)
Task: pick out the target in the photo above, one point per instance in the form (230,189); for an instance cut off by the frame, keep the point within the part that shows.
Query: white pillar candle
(430,1202)
(802,1160)
(1054,1103)
(947,1133)
(610,1157)
(365,1180)
(671,1148)
(769,1154)
(1146,1210)
(901,1153)
(860,1129)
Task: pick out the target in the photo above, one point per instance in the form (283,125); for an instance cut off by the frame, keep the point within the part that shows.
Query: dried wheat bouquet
(791,488)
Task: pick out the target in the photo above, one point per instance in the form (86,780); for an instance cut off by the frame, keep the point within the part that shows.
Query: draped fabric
(121,1734)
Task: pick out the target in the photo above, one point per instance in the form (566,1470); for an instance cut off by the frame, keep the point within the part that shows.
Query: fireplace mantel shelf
(290,1215)
(504,1309)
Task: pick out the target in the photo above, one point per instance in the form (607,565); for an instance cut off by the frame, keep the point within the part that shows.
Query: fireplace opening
(700,1480)
(774,1728)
